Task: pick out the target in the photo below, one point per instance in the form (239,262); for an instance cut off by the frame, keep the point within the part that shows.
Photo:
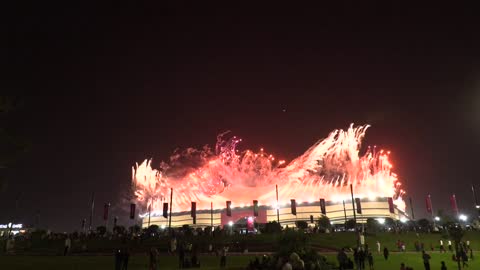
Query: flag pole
(278,206)
(170,214)
(92,208)
(211,217)
(353,206)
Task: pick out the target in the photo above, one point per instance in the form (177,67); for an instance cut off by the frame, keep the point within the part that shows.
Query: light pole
(475,200)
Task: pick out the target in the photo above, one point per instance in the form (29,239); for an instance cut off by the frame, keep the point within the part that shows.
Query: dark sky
(105,87)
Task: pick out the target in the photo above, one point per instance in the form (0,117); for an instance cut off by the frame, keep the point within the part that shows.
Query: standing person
(125,257)
(153,263)
(118,259)
(342,259)
(173,245)
(378,247)
(442,248)
(464,258)
(356,258)
(223,258)
(402,266)
(361,258)
(181,256)
(68,244)
(468,244)
(449,245)
(210,248)
(426,260)
(370,260)
(444,267)
(385,253)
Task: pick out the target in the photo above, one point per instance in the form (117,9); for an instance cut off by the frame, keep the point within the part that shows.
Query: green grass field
(208,262)
(44,252)
(257,243)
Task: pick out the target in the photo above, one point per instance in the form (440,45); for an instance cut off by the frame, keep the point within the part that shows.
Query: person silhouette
(443,267)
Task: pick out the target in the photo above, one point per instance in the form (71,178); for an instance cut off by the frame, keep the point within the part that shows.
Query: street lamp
(463,217)
(437,218)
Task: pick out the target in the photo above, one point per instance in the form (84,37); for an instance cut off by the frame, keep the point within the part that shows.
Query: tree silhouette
(324,223)
(372,225)
(101,230)
(424,224)
(301,224)
(350,224)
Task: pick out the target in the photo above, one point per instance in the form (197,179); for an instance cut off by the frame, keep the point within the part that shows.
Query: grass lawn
(338,240)
(107,262)
(414,260)
(208,262)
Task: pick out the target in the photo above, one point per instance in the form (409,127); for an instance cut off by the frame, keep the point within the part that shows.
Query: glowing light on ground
(325,170)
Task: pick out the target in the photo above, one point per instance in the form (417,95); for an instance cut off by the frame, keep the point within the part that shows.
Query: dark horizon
(101,91)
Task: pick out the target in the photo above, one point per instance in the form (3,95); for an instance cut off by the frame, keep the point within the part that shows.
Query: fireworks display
(325,170)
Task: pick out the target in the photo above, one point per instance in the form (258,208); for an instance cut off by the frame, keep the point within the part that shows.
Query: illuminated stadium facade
(377,208)
(328,170)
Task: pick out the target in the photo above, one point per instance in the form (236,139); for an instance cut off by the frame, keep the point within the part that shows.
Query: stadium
(223,185)
(337,212)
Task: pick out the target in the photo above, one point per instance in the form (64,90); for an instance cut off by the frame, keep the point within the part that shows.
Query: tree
(134,229)
(390,223)
(350,224)
(153,229)
(101,230)
(301,224)
(272,227)
(373,226)
(119,230)
(324,223)
(424,225)
(445,220)
(187,230)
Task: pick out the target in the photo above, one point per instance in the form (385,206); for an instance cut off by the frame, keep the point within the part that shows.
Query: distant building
(12,228)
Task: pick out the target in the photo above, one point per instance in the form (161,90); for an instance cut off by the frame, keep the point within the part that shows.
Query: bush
(272,227)
(301,224)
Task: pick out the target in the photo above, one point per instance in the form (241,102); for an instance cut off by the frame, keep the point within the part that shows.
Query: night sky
(105,87)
